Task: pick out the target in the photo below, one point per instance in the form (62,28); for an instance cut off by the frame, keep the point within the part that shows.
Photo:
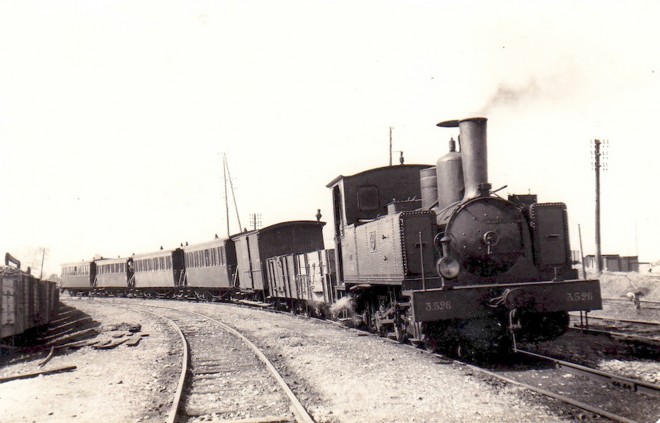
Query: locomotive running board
(470,301)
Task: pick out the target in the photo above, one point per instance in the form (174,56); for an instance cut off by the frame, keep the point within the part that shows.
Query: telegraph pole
(224,169)
(597,166)
(390,146)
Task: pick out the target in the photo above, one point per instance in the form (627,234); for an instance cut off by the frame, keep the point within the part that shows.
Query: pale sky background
(114,115)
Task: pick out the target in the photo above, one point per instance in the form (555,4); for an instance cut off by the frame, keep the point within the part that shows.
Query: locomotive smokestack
(473,154)
(475,158)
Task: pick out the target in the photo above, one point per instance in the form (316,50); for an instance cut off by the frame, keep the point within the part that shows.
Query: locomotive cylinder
(449,170)
(474,155)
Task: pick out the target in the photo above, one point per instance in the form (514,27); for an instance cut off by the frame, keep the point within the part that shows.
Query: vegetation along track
(224,375)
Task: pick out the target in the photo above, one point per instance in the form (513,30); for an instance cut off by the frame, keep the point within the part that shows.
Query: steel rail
(617,335)
(302,416)
(627,383)
(616,319)
(628,300)
(559,397)
(176,402)
(299,411)
(562,398)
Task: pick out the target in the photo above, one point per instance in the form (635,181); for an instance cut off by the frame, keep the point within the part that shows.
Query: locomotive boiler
(432,254)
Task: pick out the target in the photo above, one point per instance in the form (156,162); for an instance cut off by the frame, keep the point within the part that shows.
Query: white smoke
(345,304)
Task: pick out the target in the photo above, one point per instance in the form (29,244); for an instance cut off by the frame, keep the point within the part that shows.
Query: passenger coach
(158,273)
(211,268)
(114,275)
(78,277)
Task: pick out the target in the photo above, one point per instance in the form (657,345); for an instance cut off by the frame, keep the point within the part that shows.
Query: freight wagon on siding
(26,303)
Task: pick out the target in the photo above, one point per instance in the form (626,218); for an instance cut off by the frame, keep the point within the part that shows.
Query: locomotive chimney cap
(448,124)
(454,123)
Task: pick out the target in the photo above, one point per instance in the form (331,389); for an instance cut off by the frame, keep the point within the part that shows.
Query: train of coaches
(426,253)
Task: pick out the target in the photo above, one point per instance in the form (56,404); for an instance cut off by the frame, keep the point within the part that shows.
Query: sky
(115,115)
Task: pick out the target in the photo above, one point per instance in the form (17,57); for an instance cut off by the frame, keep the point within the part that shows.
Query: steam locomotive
(428,254)
(433,255)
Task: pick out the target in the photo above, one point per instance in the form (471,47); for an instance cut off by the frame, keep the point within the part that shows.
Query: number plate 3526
(438,305)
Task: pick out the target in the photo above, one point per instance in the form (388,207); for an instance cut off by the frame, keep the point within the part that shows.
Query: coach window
(168,262)
(368,198)
(161,263)
(207,258)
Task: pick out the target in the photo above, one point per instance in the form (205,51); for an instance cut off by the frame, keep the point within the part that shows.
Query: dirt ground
(339,375)
(124,384)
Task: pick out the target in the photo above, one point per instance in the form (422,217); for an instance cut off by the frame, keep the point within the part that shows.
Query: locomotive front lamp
(448,267)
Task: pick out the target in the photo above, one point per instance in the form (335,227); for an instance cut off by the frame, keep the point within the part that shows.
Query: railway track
(583,379)
(199,330)
(642,332)
(238,384)
(573,385)
(655,305)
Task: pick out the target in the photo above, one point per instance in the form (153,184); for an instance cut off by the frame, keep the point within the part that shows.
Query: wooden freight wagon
(25,302)
(253,248)
(300,281)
